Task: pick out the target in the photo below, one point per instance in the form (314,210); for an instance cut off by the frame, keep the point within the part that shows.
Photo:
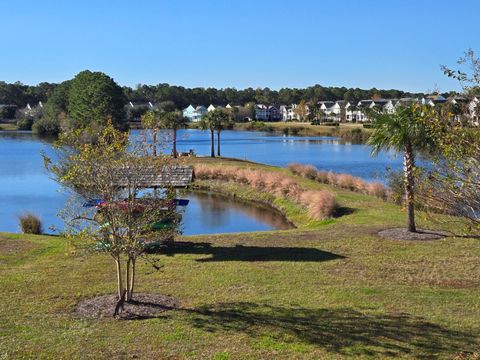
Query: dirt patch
(10,246)
(404,234)
(144,306)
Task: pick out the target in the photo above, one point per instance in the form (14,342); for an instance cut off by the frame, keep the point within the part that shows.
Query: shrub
(30,223)
(320,204)
(25,123)
(359,185)
(306,171)
(345,181)
(331,123)
(46,126)
(322,177)
(377,189)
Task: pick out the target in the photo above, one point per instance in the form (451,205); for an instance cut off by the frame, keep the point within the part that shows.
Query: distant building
(267,113)
(290,113)
(211,107)
(195,114)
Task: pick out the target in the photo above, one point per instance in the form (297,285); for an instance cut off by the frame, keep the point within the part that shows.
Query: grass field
(344,130)
(8,127)
(328,289)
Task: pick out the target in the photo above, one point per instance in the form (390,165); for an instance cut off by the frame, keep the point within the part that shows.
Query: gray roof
(327,104)
(178,176)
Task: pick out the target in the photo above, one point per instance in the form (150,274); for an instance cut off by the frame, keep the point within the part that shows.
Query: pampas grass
(344,181)
(377,189)
(319,204)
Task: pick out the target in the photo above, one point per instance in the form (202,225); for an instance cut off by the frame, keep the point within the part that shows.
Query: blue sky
(233,43)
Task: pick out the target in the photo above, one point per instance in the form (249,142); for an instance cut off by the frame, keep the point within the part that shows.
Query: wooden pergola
(176,176)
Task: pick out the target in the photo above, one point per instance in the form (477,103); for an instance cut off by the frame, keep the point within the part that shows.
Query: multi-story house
(293,113)
(195,114)
(267,113)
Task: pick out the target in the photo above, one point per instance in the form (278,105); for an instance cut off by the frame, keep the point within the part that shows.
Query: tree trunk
(175,143)
(132,280)
(218,142)
(409,168)
(127,278)
(119,278)
(154,140)
(212,150)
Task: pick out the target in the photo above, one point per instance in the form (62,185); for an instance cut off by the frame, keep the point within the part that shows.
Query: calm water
(25,186)
(211,213)
(325,153)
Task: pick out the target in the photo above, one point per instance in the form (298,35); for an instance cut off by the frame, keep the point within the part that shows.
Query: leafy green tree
(167,106)
(403,131)
(93,98)
(57,102)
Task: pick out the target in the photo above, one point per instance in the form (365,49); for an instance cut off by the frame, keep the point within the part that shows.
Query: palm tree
(223,121)
(403,131)
(173,120)
(215,120)
(208,123)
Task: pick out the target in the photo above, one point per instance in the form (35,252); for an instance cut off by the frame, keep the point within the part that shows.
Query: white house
(290,112)
(195,114)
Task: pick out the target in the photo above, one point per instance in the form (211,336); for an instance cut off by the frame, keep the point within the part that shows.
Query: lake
(25,185)
(326,153)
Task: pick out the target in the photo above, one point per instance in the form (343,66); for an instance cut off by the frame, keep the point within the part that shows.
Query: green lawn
(304,129)
(8,127)
(325,290)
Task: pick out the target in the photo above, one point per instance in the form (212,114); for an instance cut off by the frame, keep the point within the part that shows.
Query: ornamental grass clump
(30,223)
(344,181)
(377,189)
(306,171)
(319,204)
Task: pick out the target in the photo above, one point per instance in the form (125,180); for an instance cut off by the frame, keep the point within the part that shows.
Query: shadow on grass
(244,253)
(341,331)
(343,211)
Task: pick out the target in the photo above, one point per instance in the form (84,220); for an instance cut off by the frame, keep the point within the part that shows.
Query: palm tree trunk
(154,145)
(174,143)
(409,168)
(218,142)
(212,150)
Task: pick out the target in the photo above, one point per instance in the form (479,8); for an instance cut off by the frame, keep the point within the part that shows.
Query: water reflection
(25,185)
(210,213)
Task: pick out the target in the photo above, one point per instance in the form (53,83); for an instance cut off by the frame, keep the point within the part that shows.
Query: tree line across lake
(57,96)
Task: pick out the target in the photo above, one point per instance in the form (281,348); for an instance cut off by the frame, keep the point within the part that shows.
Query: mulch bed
(144,306)
(404,234)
